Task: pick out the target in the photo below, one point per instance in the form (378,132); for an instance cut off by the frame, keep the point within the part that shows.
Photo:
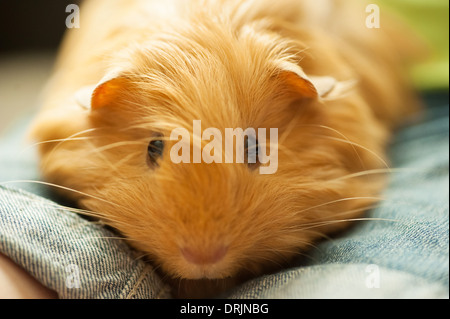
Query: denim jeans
(401,252)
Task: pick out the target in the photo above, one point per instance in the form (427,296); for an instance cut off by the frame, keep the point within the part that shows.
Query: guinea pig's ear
(320,87)
(103,94)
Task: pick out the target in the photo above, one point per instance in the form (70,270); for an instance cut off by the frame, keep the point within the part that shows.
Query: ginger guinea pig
(325,89)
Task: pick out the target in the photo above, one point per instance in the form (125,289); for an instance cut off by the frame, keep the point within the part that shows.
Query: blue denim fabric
(74,257)
(403,254)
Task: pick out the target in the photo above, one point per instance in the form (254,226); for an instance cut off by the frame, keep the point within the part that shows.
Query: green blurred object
(430,19)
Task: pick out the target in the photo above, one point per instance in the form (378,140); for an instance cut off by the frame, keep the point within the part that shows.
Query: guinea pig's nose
(206,256)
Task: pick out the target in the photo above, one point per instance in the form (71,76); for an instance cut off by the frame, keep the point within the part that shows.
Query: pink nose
(203,257)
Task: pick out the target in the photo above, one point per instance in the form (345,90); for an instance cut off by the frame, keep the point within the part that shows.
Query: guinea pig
(136,71)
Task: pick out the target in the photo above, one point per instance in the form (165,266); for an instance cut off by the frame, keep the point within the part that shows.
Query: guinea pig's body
(312,69)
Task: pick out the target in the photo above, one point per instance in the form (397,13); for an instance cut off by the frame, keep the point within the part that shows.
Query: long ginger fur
(220,62)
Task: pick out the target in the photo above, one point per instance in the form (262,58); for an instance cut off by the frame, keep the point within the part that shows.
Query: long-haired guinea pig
(311,73)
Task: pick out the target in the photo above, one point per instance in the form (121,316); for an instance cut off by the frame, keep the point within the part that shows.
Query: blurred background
(30,33)
(31,30)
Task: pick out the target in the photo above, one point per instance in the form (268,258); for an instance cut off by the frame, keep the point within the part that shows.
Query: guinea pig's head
(162,125)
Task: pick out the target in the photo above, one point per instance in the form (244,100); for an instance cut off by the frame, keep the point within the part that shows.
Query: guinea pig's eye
(155,150)
(251,151)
